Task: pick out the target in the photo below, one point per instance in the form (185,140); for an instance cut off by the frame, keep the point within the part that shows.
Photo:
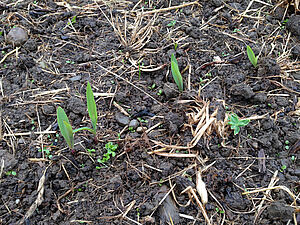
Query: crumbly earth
(123,48)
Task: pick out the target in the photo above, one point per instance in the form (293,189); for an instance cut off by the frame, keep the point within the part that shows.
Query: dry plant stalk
(191,191)
(201,188)
(39,199)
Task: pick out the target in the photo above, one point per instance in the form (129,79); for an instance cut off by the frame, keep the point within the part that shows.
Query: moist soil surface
(169,143)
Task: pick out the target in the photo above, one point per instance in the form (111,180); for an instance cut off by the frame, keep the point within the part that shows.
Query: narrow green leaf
(84,128)
(251,56)
(91,105)
(65,127)
(70,137)
(176,73)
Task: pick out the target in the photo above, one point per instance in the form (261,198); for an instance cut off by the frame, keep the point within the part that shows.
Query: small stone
(17,36)
(134,124)
(21,141)
(140,129)
(254,144)
(122,119)
(48,109)
(75,78)
(297,172)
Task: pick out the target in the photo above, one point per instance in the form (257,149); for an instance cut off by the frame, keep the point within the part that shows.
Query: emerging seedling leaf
(235,123)
(91,105)
(176,73)
(251,56)
(65,127)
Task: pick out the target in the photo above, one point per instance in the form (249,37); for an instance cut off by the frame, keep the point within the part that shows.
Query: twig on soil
(162,200)
(52,92)
(245,169)
(190,190)
(284,87)
(1,88)
(175,155)
(108,95)
(130,205)
(116,75)
(39,199)
(273,181)
(68,192)
(153,168)
(172,8)
(121,109)
(123,214)
(8,54)
(12,138)
(219,205)
(153,127)
(238,38)
(1,168)
(29,133)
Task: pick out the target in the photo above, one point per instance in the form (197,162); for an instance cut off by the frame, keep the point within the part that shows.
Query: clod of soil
(293,25)
(17,36)
(280,211)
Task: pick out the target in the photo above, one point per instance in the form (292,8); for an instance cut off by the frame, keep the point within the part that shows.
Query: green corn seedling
(65,126)
(251,56)
(176,73)
(91,105)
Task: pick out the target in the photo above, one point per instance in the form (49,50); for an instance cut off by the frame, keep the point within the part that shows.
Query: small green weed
(236,123)
(111,148)
(152,87)
(91,151)
(283,168)
(142,120)
(172,23)
(47,152)
(176,73)
(70,62)
(208,74)
(220,211)
(224,54)
(11,172)
(159,93)
(161,181)
(73,20)
(251,56)
(287,147)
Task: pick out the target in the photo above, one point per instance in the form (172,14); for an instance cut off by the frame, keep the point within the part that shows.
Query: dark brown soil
(123,49)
